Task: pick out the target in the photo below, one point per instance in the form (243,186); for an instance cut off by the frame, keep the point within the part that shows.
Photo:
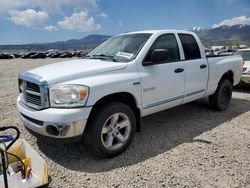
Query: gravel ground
(187,146)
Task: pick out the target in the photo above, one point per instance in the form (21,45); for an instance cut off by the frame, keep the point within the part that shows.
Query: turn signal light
(83,94)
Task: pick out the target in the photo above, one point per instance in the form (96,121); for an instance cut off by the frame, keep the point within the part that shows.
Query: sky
(29,21)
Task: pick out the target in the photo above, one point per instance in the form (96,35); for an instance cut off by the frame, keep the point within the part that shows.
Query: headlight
(68,95)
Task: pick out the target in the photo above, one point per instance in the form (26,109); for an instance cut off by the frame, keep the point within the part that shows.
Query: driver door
(162,82)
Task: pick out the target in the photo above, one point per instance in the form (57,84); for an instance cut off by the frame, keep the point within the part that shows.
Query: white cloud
(103,15)
(36,14)
(51,28)
(29,18)
(49,6)
(80,22)
(9,5)
(234,21)
(120,23)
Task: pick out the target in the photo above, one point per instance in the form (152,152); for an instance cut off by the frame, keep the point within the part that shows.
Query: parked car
(56,55)
(38,55)
(66,55)
(208,52)
(102,97)
(6,56)
(49,54)
(17,55)
(28,55)
(79,54)
(245,53)
(218,49)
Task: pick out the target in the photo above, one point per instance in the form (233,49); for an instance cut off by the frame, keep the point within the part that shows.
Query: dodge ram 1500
(102,97)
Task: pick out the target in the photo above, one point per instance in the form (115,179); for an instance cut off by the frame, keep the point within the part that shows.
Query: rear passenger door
(196,68)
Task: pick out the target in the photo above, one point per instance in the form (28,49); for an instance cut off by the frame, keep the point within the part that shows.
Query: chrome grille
(34,92)
(33,99)
(33,87)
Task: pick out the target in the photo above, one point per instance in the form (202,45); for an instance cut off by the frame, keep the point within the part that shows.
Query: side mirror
(159,55)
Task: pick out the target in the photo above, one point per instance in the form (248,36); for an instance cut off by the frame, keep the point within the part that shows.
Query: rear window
(190,47)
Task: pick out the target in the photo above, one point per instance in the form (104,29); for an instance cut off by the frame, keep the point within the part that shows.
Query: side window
(190,47)
(168,42)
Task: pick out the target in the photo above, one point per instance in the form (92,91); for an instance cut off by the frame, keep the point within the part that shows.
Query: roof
(160,31)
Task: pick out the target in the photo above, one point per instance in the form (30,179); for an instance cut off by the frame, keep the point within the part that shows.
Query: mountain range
(223,35)
(88,42)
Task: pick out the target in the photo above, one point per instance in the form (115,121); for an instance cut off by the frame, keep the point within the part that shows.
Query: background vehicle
(38,55)
(102,97)
(245,53)
(218,49)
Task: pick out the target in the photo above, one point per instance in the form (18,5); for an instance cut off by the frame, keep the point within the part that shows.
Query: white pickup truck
(102,98)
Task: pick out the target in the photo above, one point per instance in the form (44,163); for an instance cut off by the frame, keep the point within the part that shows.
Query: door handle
(203,66)
(178,70)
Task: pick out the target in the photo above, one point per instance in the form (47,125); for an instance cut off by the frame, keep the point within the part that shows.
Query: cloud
(51,28)
(234,21)
(103,15)
(29,18)
(49,6)
(36,13)
(80,22)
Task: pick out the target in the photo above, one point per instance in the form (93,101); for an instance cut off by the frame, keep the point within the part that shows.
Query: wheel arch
(123,97)
(229,75)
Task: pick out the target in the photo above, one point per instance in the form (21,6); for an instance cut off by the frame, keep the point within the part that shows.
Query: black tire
(93,136)
(221,99)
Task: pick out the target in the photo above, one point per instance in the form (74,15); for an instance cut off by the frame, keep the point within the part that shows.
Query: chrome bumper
(55,130)
(58,124)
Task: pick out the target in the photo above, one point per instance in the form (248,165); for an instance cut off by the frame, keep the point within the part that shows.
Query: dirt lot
(188,146)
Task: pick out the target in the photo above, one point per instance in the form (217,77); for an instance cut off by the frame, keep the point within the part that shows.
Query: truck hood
(73,69)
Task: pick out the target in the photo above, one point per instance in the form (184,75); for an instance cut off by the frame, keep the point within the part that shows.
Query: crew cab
(102,98)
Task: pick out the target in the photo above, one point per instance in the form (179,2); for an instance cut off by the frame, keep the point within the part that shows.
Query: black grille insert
(33,99)
(32,87)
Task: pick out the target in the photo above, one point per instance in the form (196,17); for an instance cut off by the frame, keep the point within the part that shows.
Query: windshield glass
(245,55)
(123,48)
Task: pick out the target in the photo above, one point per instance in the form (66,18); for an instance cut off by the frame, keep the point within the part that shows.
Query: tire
(110,130)
(221,99)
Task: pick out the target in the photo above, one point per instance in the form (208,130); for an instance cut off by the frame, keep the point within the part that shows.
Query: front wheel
(221,99)
(111,130)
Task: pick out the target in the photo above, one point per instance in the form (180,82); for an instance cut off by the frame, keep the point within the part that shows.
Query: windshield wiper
(102,56)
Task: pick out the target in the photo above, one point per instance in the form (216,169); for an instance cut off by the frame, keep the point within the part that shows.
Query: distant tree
(237,43)
(228,43)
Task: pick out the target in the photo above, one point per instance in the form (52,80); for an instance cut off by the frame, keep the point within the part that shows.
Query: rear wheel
(221,99)
(111,130)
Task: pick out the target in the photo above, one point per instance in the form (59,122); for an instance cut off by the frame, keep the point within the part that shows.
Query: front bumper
(54,123)
(246,78)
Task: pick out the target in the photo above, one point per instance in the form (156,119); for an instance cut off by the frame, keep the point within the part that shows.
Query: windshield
(245,55)
(123,48)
